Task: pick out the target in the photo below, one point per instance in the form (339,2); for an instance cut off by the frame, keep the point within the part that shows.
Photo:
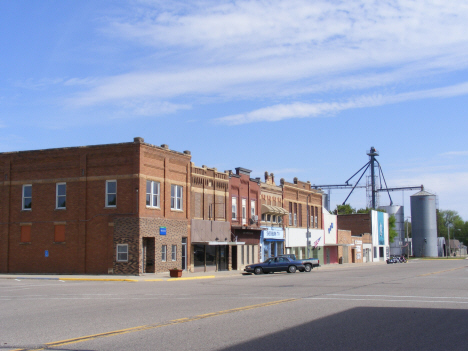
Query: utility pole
(308,223)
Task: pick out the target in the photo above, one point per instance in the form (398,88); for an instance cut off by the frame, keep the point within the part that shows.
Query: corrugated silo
(399,241)
(424,224)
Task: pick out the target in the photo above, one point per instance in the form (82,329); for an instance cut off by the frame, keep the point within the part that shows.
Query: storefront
(297,243)
(249,251)
(212,246)
(271,242)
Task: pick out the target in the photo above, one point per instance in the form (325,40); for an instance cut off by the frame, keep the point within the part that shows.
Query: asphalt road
(421,305)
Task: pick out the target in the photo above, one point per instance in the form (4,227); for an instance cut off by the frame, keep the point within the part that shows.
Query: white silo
(424,224)
(399,240)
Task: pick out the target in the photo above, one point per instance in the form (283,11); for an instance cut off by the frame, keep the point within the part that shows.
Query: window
(122,253)
(61,195)
(176,197)
(252,208)
(253,254)
(300,215)
(268,217)
(234,208)
(27,197)
(59,235)
(25,234)
(242,255)
(311,215)
(263,217)
(174,252)
(280,219)
(111,193)
(273,219)
(295,219)
(290,213)
(244,211)
(163,253)
(152,194)
(248,256)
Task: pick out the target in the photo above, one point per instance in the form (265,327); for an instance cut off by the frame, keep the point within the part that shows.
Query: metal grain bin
(424,224)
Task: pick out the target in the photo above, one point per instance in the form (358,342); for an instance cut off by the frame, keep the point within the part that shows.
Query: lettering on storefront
(273,234)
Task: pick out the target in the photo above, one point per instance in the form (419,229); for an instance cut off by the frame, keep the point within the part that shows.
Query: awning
(231,243)
(274,210)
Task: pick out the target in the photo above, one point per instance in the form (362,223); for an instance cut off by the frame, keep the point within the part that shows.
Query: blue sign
(46,253)
(380,223)
(162,230)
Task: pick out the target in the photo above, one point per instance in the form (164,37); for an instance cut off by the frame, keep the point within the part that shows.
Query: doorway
(184,254)
(148,255)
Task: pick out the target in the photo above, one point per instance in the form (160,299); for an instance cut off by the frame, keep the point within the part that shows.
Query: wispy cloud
(455,153)
(242,50)
(303,110)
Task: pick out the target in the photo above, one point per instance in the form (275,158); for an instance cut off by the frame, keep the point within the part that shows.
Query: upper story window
(252,208)
(263,217)
(234,208)
(61,196)
(111,193)
(152,193)
(176,197)
(27,197)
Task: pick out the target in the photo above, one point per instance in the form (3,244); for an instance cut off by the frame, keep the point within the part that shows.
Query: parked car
(309,263)
(275,264)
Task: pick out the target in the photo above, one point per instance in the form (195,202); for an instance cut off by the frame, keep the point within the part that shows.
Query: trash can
(340,260)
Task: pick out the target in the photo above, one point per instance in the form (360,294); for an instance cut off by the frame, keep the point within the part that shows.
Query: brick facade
(92,229)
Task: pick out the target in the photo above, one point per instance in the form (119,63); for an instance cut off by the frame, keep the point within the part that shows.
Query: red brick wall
(89,236)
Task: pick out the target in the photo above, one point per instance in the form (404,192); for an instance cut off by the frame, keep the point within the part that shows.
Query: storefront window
(210,255)
(198,255)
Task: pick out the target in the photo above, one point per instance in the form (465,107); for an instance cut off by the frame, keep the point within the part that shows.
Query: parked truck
(309,263)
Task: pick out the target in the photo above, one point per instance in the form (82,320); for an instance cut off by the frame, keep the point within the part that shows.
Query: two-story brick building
(210,227)
(116,208)
(244,217)
(304,206)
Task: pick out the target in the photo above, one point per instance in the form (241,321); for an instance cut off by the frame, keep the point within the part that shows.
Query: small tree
(344,210)
(392,233)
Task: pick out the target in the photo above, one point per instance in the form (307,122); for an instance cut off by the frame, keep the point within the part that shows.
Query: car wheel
(292,269)
(308,268)
(258,270)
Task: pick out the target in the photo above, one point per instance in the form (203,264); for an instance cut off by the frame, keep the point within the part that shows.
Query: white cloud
(455,153)
(303,110)
(272,49)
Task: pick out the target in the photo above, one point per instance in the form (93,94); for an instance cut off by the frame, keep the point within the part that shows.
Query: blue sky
(298,88)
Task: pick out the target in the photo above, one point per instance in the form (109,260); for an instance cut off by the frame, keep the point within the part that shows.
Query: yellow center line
(154,326)
(447,270)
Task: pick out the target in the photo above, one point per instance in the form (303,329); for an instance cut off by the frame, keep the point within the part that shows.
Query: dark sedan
(275,264)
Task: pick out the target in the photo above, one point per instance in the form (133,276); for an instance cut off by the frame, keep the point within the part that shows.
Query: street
(419,305)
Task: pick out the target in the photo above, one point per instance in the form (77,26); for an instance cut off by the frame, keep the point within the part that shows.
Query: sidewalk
(161,277)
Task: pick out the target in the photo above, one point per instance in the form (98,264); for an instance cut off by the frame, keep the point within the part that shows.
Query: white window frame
(234,208)
(57,196)
(252,208)
(125,252)
(263,217)
(290,218)
(24,197)
(177,197)
(316,222)
(154,194)
(107,192)
(295,219)
(244,211)
(273,218)
(174,253)
(163,253)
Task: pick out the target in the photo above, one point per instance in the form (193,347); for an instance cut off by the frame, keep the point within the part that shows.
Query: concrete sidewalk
(161,277)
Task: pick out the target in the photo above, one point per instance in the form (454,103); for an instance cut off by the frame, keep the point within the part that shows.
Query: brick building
(210,228)
(272,219)
(116,208)
(304,206)
(373,225)
(244,218)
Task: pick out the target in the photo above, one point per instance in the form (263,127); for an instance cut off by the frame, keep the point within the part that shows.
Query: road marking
(155,326)
(447,270)
(191,278)
(403,296)
(385,300)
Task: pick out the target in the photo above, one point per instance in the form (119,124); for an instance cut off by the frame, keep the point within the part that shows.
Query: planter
(175,273)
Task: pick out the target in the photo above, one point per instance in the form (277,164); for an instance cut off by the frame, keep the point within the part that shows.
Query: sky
(295,88)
